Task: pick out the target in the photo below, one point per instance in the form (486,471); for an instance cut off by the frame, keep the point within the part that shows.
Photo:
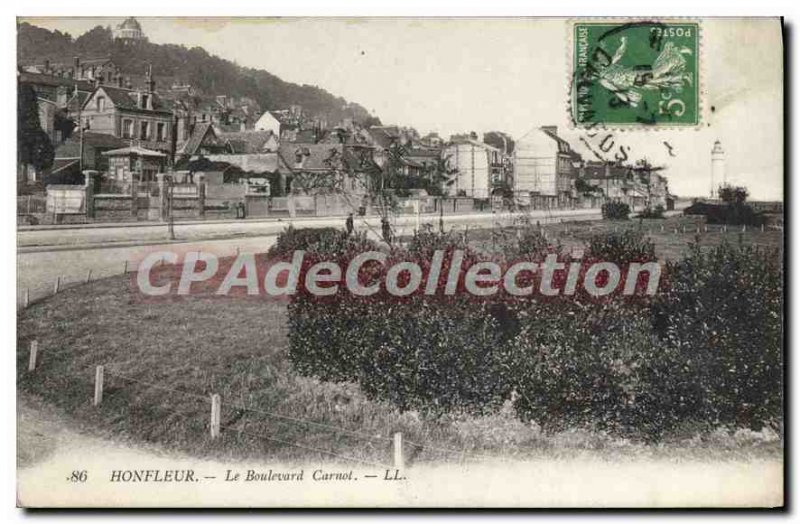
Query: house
(250,142)
(268,122)
(135,163)
(203,140)
(310,169)
(618,182)
(88,70)
(432,139)
(215,172)
(68,153)
(137,115)
(545,167)
(472,161)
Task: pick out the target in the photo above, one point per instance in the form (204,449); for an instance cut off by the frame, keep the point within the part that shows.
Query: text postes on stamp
(639,73)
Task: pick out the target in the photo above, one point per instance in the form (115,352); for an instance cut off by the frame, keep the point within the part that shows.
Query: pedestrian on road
(348,224)
(386,229)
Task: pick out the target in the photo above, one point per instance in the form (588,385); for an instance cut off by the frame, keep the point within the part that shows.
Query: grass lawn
(164,360)
(671,236)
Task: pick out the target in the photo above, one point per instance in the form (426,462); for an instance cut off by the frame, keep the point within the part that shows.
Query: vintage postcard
(400,262)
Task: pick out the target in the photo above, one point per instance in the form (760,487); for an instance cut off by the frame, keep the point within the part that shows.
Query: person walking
(386,229)
(348,224)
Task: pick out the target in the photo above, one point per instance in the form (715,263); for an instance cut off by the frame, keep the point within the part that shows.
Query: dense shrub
(594,367)
(734,213)
(707,350)
(615,211)
(327,240)
(418,354)
(721,314)
(621,248)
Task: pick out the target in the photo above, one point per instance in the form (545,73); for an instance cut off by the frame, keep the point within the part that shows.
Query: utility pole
(170,218)
(80,127)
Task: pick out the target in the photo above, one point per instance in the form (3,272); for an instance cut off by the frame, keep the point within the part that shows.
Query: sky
(506,74)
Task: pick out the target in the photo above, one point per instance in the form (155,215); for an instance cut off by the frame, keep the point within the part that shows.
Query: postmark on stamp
(637,73)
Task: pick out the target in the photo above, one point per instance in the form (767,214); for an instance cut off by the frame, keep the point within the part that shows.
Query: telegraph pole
(170,218)
(80,127)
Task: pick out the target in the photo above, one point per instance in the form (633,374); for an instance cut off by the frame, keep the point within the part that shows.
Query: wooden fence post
(215,415)
(88,276)
(744,228)
(98,385)
(762,228)
(398,450)
(125,268)
(57,285)
(32,357)
(26,298)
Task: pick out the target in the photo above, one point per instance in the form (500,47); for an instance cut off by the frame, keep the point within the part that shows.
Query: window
(145,130)
(160,131)
(145,101)
(101,104)
(127,128)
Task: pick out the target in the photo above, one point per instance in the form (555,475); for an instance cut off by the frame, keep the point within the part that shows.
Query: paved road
(69,252)
(81,236)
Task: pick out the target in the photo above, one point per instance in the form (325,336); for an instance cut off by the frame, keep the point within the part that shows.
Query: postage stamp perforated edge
(569,29)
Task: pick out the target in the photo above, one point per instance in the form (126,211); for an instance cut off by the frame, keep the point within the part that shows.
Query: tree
(33,145)
(732,194)
(370,121)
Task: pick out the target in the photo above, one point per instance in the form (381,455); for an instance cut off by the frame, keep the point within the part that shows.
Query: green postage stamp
(635,73)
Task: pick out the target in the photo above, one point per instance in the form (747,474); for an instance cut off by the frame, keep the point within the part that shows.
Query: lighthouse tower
(717,167)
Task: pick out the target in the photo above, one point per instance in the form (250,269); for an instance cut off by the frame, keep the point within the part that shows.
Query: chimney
(46,65)
(550,129)
(77,63)
(120,80)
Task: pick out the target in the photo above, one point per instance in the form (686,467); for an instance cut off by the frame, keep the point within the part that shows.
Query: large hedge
(707,349)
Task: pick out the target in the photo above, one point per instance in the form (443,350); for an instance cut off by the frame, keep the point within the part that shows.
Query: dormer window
(101,104)
(145,101)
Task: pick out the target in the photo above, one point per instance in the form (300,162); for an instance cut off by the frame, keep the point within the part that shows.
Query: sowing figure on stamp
(667,71)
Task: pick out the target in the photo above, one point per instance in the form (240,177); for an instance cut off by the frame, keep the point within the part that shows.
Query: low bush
(615,211)
(721,315)
(707,350)
(327,240)
(621,248)
(592,367)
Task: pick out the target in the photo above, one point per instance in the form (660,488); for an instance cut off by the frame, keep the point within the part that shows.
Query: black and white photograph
(399,261)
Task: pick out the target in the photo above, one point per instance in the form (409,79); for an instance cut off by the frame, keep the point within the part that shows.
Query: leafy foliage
(616,211)
(33,145)
(621,248)
(721,315)
(732,194)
